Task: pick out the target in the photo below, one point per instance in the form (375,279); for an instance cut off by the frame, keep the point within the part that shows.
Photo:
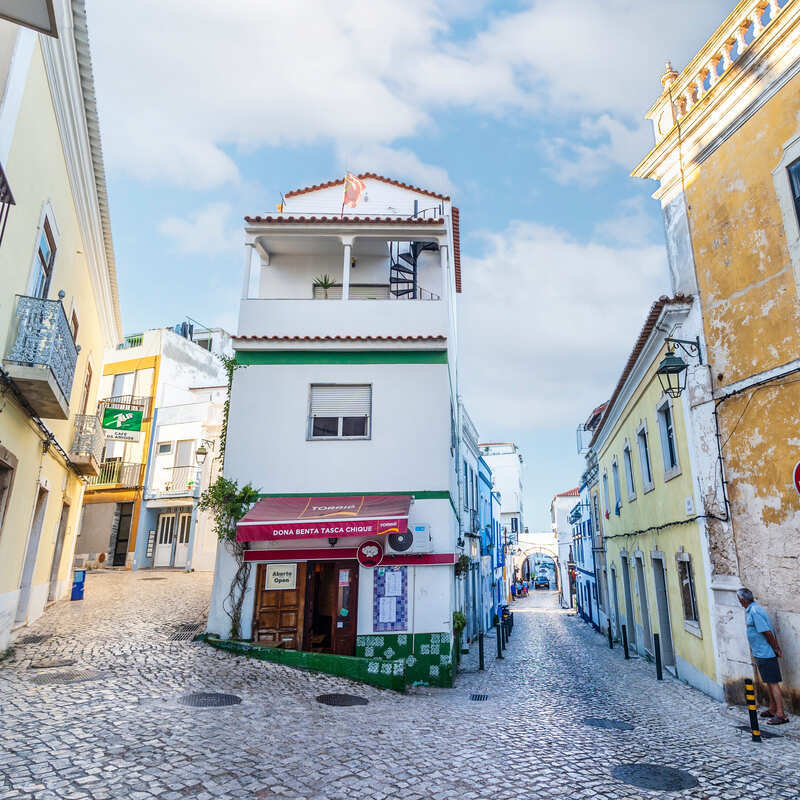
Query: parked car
(541,582)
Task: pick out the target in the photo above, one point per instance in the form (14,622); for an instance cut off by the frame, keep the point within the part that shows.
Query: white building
(505,461)
(560,508)
(344,416)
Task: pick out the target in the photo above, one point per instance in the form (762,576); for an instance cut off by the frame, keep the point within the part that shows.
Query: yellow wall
(752,318)
(664,503)
(37,172)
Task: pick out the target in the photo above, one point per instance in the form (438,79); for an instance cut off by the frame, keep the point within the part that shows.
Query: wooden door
(345,589)
(279,613)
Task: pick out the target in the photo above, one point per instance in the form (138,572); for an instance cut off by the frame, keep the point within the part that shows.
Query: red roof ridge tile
(341,338)
(647,329)
(362,175)
(570,493)
(347,220)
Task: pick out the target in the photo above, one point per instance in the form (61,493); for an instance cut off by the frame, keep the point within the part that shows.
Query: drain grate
(655,776)
(35,638)
(70,676)
(210,700)
(609,724)
(764,734)
(477,698)
(52,663)
(152,579)
(186,632)
(342,700)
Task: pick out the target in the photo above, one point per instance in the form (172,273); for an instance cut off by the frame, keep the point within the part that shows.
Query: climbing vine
(228,504)
(230,365)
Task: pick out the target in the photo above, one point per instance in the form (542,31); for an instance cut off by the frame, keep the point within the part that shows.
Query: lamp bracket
(689,346)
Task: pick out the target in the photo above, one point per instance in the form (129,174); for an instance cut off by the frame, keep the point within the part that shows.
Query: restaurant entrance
(317,613)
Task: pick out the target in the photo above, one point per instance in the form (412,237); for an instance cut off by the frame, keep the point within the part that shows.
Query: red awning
(278,518)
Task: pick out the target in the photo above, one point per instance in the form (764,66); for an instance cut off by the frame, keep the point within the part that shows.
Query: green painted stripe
(248,357)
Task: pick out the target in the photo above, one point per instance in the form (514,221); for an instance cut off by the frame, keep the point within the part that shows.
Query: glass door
(166,530)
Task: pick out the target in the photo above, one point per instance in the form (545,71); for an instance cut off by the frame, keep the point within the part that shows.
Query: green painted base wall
(387,674)
(427,657)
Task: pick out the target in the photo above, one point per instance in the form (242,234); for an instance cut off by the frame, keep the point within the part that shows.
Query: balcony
(118,475)
(126,402)
(343,318)
(42,356)
(87,445)
(175,482)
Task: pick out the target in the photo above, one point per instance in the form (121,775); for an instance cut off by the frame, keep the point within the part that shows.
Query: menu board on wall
(390,599)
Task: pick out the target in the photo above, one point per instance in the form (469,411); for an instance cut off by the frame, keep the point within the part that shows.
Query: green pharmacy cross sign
(122,424)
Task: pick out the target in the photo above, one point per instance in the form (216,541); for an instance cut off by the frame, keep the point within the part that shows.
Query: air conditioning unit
(416,540)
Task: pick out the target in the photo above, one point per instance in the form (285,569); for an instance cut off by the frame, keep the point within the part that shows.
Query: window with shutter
(340,412)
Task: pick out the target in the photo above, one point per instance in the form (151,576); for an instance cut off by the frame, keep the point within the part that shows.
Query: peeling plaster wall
(751,318)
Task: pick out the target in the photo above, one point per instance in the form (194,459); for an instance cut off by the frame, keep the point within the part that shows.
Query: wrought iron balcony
(121,474)
(127,402)
(175,482)
(87,444)
(42,355)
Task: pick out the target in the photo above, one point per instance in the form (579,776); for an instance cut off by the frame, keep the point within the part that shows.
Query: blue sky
(529,113)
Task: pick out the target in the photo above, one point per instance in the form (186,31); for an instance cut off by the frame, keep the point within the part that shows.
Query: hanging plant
(459,622)
(462,566)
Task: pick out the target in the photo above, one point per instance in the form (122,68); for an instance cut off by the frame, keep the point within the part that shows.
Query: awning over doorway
(279,518)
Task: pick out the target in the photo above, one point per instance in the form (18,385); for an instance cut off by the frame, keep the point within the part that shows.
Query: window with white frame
(164,447)
(43,261)
(339,411)
(669,446)
(617,490)
(644,457)
(688,593)
(794,183)
(605,492)
(628,463)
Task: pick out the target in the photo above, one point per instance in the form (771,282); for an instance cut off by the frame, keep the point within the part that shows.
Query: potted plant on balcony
(324,282)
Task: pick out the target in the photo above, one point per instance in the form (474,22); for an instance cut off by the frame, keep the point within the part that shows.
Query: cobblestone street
(121,733)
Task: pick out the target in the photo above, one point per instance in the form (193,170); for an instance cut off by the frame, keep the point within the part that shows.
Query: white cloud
(209,231)
(632,225)
(547,322)
(189,85)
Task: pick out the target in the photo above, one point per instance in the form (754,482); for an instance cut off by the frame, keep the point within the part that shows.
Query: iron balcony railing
(87,437)
(176,481)
(127,402)
(41,337)
(120,473)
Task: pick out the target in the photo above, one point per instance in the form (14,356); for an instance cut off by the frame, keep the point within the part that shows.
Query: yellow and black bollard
(750,696)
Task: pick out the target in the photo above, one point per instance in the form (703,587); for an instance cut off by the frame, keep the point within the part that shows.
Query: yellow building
(647,511)
(727,158)
(58,307)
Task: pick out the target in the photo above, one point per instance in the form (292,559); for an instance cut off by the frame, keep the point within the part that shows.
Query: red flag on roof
(353,189)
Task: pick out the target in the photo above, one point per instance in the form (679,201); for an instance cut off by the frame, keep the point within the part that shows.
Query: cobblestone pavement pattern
(123,734)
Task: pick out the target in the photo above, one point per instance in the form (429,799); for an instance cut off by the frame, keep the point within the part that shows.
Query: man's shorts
(769,669)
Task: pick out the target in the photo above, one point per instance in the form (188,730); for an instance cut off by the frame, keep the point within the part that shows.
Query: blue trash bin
(78,584)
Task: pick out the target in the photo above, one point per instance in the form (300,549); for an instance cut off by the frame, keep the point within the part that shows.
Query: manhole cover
(209,700)
(764,734)
(342,700)
(54,663)
(35,639)
(152,579)
(185,633)
(610,724)
(655,776)
(70,676)
(479,697)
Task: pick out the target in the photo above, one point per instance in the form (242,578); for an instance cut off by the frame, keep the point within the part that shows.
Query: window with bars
(340,411)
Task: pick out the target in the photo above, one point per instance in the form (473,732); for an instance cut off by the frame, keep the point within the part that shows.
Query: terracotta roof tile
(570,493)
(644,335)
(340,338)
(457,247)
(347,220)
(362,175)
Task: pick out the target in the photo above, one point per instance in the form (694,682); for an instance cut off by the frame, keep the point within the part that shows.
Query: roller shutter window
(340,412)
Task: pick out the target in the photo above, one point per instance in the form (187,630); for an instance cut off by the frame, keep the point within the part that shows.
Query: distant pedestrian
(766,651)
(513,590)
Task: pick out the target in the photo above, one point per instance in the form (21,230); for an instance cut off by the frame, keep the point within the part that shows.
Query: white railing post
(348,248)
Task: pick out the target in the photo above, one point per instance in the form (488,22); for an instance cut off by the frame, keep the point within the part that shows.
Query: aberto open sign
(796,476)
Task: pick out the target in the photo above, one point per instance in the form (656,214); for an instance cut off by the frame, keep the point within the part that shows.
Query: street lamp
(673,370)
(200,455)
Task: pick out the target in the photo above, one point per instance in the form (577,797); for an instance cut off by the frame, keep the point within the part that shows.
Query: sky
(529,114)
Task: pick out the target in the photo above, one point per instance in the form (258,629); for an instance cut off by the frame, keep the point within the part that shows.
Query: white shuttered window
(340,411)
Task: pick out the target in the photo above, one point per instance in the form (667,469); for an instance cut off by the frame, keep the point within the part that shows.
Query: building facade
(583,551)
(344,415)
(140,510)
(505,461)
(731,211)
(655,536)
(561,507)
(59,308)
(470,589)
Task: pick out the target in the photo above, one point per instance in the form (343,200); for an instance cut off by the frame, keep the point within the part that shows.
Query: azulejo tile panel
(427,657)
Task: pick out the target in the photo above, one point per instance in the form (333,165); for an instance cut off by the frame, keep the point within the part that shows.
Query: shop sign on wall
(122,424)
(281,576)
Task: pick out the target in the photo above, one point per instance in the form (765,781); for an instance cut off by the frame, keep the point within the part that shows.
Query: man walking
(766,651)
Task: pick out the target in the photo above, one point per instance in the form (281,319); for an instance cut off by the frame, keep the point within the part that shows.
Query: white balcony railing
(175,482)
